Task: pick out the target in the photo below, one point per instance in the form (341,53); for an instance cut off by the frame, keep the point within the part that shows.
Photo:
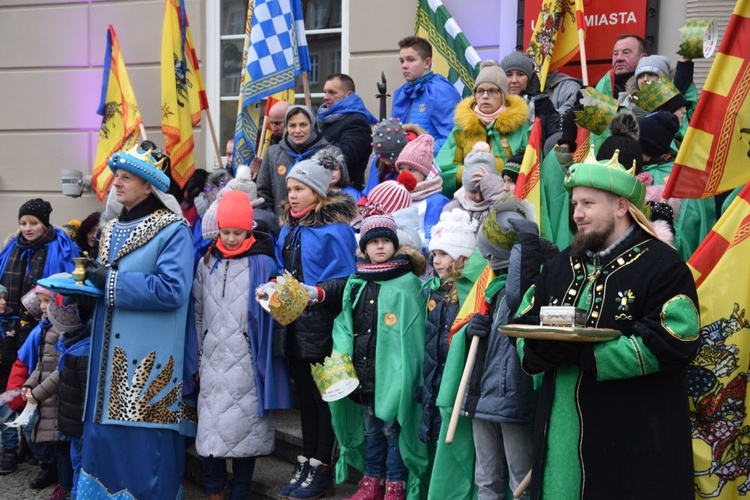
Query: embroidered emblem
(422,108)
(624,299)
(431,305)
(390,319)
(281,170)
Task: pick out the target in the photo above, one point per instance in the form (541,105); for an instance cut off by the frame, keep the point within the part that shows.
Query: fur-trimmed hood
(337,207)
(515,116)
(418,261)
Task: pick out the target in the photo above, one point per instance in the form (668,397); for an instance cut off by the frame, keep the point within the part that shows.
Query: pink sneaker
(395,491)
(370,488)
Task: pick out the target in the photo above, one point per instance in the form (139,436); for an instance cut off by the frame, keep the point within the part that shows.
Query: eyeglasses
(489,92)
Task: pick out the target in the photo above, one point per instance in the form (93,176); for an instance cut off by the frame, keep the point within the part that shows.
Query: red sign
(605,20)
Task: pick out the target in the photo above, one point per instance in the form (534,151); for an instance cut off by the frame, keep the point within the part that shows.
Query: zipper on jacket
(226,271)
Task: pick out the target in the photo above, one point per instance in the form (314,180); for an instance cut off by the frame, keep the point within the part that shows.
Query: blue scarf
(59,255)
(415,87)
(80,349)
(346,106)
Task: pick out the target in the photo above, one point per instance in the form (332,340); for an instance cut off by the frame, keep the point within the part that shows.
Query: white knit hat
(454,234)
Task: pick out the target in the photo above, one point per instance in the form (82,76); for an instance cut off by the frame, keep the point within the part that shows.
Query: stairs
(274,471)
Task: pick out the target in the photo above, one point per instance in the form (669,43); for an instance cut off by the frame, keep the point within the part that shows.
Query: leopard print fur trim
(144,231)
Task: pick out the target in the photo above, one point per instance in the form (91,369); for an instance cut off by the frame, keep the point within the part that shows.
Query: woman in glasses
(491,115)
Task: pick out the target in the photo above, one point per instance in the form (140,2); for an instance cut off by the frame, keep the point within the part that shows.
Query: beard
(593,241)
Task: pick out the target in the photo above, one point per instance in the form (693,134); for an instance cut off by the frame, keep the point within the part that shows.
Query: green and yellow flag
(452,54)
(120,116)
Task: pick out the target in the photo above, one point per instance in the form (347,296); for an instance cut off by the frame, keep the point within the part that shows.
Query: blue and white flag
(276,51)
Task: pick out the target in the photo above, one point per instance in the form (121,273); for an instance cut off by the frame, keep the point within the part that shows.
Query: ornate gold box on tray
(562,316)
(566,323)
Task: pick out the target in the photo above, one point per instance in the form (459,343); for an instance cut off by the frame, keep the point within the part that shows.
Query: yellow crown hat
(336,377)
(608,176)
(599,109)
(656,93)
(286,300)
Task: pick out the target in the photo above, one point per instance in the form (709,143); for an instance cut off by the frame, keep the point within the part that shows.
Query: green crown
(699,39)
(655,93)
(599,109)
(336,377)
(608,176)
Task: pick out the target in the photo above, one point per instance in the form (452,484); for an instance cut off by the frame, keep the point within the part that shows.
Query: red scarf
(244,247)
(301,213)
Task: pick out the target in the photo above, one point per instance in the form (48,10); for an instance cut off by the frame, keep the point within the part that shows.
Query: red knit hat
(235,211)
(418,154)
(390,196)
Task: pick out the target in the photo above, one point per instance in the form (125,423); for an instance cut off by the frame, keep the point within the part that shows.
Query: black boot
(9,462)
(47,477)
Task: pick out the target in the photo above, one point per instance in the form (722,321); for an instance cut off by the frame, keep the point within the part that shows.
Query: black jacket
(309,336)
(72,387)
(352,134)
(439,321)
(365,336)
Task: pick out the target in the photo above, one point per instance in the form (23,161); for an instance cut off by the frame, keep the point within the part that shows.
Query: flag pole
(470,358)
(306,87)
(213,136)
(143,131)
(581,23)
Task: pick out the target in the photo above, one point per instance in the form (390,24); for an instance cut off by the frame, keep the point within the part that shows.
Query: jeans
(382,456)
(500,449)
(8,435)
(75,461)
(215,476)
(64,465)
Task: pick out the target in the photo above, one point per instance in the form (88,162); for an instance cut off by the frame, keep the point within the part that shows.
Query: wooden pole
(213,136)
(263,132)
(584,69)
(143,132)
(470,358)
(523,486)
(306,87)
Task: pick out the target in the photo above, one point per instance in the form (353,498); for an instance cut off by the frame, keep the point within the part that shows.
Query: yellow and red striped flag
(555,38)
(718,377)
(183,95)
(475,301)
(120,115)
(287,96)
(713,157)
(528,185)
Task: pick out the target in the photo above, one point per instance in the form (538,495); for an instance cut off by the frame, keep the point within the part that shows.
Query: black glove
(569,129)
(478,326)
(523,226)
(85,302)
(543,105)
(96,273)
(543,355)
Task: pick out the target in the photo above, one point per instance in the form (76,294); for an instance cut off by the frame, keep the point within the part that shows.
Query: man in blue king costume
(135,419)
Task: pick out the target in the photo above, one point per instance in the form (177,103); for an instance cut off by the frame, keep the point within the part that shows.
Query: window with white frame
(323,25)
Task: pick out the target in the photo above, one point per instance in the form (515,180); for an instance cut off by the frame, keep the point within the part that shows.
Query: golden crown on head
(655,93)
(146,157)
(613,162)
